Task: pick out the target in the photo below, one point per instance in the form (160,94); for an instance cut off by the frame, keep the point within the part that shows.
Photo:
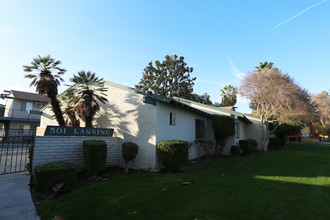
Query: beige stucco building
(22,110)
(149,119)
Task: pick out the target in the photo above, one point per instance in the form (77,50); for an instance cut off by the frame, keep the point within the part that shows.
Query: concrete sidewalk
(15,197)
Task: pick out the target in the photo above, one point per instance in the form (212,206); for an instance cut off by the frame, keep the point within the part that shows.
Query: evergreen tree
(169,78)
(205,98)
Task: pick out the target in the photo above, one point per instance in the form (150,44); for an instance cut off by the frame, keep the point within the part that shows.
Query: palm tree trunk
(89,118)
(56,109)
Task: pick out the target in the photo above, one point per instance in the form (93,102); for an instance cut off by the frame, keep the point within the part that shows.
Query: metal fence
(16,148)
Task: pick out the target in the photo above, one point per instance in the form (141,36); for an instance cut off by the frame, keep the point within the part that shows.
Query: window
(200,129)
(23,106)
(38,104)
(237,130)
(172,119)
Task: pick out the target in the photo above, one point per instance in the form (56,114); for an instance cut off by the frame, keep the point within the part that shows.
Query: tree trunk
(89,119)
(56,109)
(265,135)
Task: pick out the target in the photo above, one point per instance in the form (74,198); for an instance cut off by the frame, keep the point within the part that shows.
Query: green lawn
(290,184)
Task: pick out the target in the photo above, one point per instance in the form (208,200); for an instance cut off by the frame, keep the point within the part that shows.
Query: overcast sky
(222,39)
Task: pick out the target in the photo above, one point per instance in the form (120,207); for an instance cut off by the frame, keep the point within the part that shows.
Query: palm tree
(229,95)
(46,80)
(69,110)
(88,92)
(265,66)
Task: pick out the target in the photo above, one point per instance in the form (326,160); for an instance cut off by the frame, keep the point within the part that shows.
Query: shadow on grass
(288,184)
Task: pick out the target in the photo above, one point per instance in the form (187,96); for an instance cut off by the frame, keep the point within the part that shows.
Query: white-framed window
(38,104)
(199,129)
(172,118)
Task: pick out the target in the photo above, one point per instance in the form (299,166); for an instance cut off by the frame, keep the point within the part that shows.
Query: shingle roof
(187,104)
(29,96)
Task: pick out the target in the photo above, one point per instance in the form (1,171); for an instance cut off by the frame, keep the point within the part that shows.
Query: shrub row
(47,175)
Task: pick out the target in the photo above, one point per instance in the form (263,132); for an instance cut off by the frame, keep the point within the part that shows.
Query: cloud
(303,11)
(234,70)
(196,64)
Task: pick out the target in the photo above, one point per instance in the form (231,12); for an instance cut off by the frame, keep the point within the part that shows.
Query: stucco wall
(254,131)
(184,128)
(69,149)
(234,140)
(9,104)
(132,120)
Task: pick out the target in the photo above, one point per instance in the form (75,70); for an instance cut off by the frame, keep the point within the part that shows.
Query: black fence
(16,148)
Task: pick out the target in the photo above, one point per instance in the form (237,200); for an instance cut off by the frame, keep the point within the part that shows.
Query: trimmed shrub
(129,152)
(254,143)
(274,144)
(47,175)
(246,146)
(95,155)
(173,153)
(235,150)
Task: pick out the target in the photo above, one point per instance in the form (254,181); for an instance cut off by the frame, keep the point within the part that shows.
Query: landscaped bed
(293,183)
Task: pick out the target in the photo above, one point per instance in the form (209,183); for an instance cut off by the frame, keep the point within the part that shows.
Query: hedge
(246,146)
(254,144)
(95,155)
(235,150)
(47,175)
(274,144)
(173,153)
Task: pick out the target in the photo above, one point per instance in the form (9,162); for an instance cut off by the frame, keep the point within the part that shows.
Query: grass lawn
(293,183)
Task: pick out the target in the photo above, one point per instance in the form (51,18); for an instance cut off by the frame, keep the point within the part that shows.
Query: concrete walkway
(15,197)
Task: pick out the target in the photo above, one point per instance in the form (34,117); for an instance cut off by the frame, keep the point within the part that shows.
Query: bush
(235,150)
(274,144)
(95,155)
(246,146)
(173,153)
(254,143)
(223,127)
(129,152)
(47,175)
